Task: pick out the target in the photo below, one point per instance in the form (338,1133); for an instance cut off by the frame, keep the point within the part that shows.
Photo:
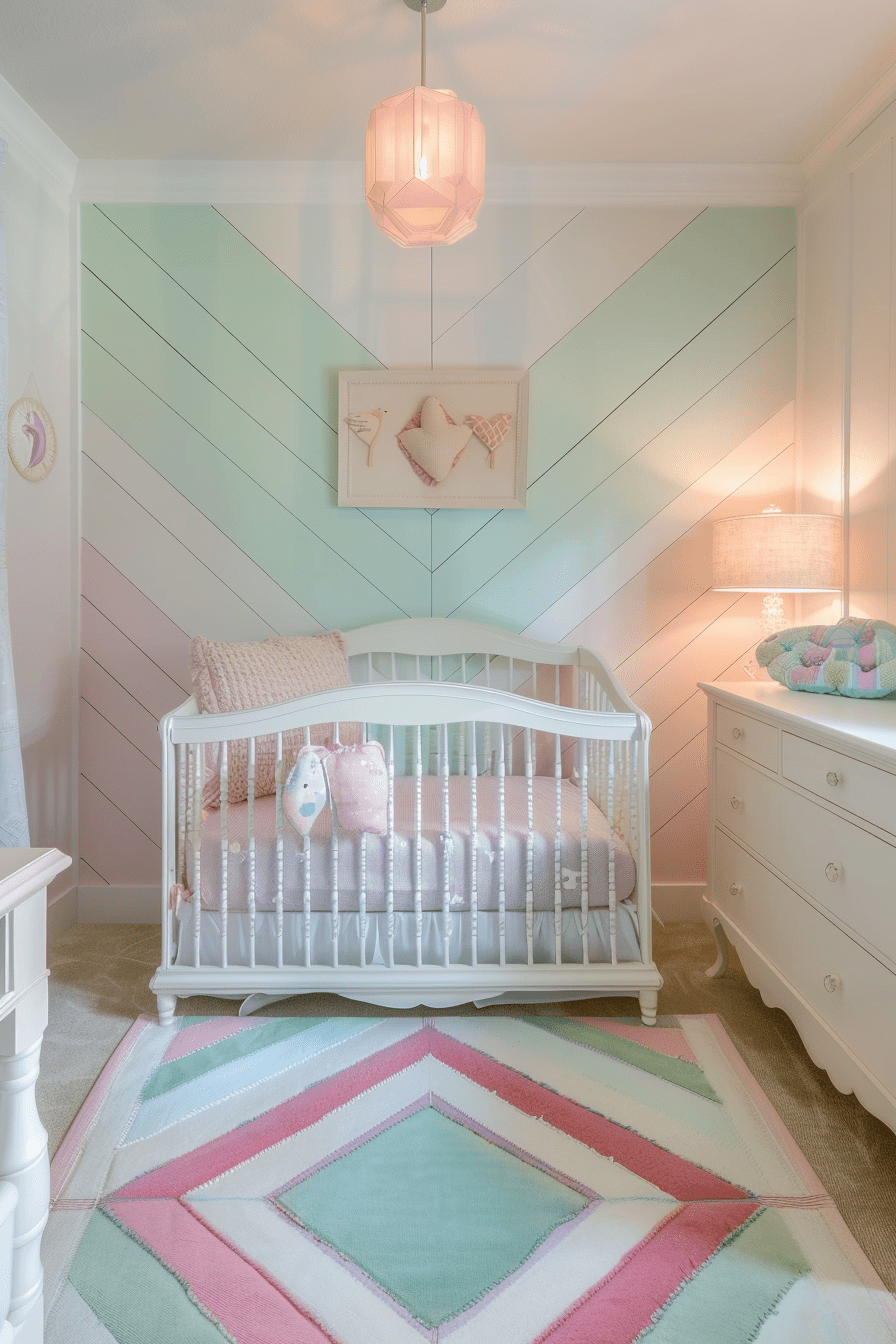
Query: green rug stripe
(434,1213)
(641,410)
(272,457)
(295,554)
(736,1290)
(155,1307)
(239,1046)
(631,498)
(679,1071)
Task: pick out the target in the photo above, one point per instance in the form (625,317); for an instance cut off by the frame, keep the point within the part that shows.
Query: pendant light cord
(423,43)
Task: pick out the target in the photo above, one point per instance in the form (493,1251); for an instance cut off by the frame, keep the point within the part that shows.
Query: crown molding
(881,93)
(27,133)
(342,183)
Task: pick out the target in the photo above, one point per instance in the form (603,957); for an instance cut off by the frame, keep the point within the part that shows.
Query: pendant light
(425,160)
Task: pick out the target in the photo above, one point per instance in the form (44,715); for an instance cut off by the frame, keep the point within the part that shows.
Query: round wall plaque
(30,439)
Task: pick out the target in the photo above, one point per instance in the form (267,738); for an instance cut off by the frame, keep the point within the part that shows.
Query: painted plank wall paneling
(660,344)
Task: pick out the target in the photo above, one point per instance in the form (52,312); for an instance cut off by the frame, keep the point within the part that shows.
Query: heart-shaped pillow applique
(434,445)
(492,432)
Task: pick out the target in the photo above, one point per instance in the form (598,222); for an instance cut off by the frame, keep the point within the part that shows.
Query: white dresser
(803,869)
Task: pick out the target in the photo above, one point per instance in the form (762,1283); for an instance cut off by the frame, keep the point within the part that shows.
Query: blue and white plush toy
(305,792)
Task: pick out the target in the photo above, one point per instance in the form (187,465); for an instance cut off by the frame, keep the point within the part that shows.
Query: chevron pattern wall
(660,344)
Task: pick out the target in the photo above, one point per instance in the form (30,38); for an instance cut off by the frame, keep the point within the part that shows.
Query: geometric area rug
(478,1180)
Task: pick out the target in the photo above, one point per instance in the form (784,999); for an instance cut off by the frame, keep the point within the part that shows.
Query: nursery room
(447,672)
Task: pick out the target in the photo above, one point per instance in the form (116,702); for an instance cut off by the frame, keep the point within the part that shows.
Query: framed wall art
(433,438)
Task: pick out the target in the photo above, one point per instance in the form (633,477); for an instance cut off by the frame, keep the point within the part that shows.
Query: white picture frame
(378,470)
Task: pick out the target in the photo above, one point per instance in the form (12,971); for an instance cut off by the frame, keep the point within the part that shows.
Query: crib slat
(446,850)
(583,854)
(278,784)
(474,850)
(225,803)
(251,848)
(502,846)
(390,850)
(558,821)
(530,848)
(418,844)
(611,849)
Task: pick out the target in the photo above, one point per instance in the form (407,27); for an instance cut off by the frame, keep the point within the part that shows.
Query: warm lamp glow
(774,553)
(425,167)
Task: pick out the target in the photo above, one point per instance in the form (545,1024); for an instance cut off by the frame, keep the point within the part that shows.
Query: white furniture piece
(497,874)
(803,869)
(24,875)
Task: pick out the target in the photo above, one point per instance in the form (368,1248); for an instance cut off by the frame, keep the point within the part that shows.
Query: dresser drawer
(850,784)
(844,868)
(851,990)
(751,738)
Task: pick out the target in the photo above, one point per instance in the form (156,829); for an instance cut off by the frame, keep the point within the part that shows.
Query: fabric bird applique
(367,425)
(434,446)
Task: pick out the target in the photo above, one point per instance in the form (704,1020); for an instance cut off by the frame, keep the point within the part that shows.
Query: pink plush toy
(359,786)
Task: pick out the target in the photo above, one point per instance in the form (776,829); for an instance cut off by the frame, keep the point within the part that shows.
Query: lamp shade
(777,553)
(425,166)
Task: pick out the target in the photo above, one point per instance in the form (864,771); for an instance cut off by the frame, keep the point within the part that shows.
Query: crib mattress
(421,868)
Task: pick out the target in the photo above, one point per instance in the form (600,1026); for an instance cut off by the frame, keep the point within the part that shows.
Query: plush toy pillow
(855,657)
(359,786)
(231,677)
(305,790)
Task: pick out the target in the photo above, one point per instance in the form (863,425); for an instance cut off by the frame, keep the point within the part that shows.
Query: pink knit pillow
(231,677)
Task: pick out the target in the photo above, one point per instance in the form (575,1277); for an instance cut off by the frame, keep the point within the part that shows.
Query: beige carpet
(99,984)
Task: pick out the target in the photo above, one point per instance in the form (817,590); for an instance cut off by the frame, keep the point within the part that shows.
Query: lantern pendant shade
(425,167)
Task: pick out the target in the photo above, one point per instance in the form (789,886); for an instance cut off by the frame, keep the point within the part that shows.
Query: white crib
(515,864)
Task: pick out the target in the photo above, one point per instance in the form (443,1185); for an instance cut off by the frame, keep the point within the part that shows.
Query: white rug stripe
(524,1309)
(275,1166)
(773,1170)
(665,527)
(689,1125)
(311,1275)
(147,1154)
(118,1104)
(73,1322)
(209,1089)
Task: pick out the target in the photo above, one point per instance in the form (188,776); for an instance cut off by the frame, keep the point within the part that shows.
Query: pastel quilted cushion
(230,677)
(855,657)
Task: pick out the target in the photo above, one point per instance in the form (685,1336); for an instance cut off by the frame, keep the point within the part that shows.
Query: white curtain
(13,813)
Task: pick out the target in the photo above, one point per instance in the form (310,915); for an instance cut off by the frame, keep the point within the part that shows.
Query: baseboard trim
(62,914)
(675,901)
(119,905)
(140,905)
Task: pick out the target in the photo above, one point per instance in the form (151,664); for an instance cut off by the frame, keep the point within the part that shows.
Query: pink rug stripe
(68,1150)
(238,1294)
(675,1175)
(621,1306)
(673,1042)
(207,1033)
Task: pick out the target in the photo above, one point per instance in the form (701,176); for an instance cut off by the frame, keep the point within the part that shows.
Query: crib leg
(720,965)
(647,998)
(167,1004)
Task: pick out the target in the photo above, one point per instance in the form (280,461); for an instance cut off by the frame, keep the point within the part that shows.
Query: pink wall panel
(113,846)
(141,677)
(672,848)
(134,615)
(119,707)
(121,772)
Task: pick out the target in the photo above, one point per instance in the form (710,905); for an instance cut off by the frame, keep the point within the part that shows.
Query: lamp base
(772,617)
(431,5)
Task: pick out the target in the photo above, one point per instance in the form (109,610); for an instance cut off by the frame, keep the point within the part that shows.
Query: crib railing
(447,719)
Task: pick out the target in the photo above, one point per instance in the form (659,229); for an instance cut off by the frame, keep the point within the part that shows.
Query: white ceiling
(649,81)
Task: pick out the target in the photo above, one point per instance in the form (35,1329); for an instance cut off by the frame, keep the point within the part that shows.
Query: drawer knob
(833,872)
(833,778)
(832,983)
(735,889)
(737,732)
(736,802)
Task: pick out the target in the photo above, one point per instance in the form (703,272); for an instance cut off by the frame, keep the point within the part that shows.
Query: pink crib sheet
(427,869)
